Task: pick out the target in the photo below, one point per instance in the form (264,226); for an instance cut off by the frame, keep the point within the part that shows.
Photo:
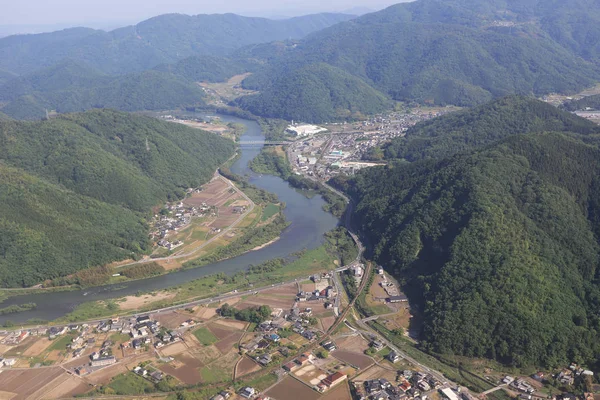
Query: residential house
(331,381)
(248,392)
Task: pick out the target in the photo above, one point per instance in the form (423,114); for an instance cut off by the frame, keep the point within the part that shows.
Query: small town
(340,148)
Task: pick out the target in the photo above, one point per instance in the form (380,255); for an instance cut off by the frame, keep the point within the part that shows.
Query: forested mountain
(499,245)
(6,76)
(589,102)
(75,188)
(71,86)
(446,52)
(209,68)
(316,93)
(163,39)
(480,126)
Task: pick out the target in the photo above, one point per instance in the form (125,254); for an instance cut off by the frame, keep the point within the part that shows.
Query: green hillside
(316,93)
(590,102)
(159,40)
(480,126)
(441,52)
(71,87)
(499,247)
(92,177)
(209,68)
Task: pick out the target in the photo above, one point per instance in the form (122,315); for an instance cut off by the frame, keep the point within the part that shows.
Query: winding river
(308,224)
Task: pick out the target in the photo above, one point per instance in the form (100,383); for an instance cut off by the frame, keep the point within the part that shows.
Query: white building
(304,130)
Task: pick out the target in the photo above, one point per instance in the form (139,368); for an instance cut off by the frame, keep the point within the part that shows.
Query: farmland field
(359,360)
(246,366)
(291,389)
(205,336)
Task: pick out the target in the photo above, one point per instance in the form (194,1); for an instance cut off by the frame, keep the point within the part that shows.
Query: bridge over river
(253,143)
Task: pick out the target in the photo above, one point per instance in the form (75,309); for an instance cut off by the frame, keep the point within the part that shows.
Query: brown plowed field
(352,343)
(247,366)
(226,345)
(290,389)
(24,383)
(219,331)
(38,347)
(339,392)
(64,386)
(359,360)
(185,368)
(172,320)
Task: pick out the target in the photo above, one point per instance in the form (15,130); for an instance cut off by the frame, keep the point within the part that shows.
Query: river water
(308,224)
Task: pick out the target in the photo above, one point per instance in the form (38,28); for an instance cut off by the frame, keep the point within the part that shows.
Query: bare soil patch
(356,359)
(172,320)
(290,389)
(327,322)
(340,392)
(376,372)
(103,376)
(246,366)
(206,313)
(64,386)
(219,331)
(24,383)
(206,354)
(38,347)
(228,323)
(137,302)
(173,349)
(184,369)
(310,374)
(227,344)
(352,343)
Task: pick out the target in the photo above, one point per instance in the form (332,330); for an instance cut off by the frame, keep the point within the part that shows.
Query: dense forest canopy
(498,244)
(587,103)
(71,86)
(76,189)
(316,93)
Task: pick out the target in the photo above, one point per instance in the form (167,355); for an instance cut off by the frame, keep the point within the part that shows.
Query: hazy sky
(111,12)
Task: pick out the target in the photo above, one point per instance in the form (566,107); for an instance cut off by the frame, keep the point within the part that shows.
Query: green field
(205,336)
(211,375)
(61,343)
(127,385)
(270,210)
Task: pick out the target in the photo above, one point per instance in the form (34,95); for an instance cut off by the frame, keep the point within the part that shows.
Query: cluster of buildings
(153,376)
(179,216)
(343,148)
(410,385)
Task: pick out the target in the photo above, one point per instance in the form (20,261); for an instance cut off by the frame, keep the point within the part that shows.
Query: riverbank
(307,224)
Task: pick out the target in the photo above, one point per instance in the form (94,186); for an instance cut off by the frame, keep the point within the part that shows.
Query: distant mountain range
(163,39)
(317,68)
(70,86)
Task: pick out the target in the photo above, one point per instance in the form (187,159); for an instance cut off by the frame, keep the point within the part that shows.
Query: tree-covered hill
(316,93)
(589,102)
(71,87)
(159,40)
(480,126)
(75,188)
(443,52)
(209,68)
(498,246)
